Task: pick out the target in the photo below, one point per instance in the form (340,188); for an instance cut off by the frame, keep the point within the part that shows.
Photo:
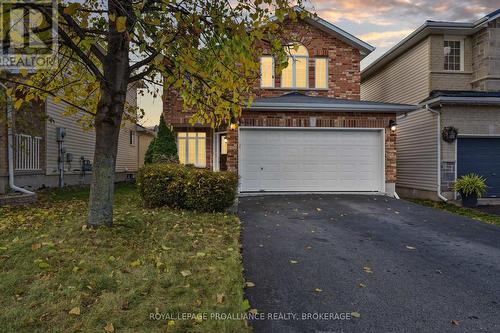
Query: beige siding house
(37,158)
(452,70)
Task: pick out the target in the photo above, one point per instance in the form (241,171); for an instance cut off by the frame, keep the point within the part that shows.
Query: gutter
(440,196)
(463,100)
(10,145)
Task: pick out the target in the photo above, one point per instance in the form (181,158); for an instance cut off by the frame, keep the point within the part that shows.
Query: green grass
(468,212)
(50,265)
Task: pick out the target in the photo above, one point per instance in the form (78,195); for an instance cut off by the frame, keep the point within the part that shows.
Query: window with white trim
(295,75)
(453,55)
(267,72)
(132,137)
(191,147)
(321,73)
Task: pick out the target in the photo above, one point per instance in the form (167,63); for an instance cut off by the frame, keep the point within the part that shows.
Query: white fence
(27,152)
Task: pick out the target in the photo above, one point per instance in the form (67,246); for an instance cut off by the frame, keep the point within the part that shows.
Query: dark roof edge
(461,100)
(373,108)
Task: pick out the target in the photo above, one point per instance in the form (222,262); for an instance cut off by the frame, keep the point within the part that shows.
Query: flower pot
(469,200)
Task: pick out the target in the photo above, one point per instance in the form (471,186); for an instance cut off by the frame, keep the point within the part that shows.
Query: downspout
(440,196)
(10,143)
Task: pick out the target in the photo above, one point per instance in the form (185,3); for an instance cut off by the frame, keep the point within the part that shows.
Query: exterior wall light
(393,125)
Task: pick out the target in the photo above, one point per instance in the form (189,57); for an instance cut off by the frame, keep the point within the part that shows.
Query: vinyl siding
(81,142)
(416,148)
(403,80)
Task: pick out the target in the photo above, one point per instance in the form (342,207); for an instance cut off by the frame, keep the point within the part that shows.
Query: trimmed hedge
(186,187)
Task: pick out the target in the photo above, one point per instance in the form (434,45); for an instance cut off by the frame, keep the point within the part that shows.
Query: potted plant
(470,187)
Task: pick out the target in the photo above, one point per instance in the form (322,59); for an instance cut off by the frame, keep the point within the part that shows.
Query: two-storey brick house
(307,129)
(452,70)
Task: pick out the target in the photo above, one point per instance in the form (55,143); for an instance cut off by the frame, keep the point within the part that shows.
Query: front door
(223,152)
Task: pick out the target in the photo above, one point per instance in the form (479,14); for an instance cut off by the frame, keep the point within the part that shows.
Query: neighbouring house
(144,137)
(452,70)
(42,159)
(307,130)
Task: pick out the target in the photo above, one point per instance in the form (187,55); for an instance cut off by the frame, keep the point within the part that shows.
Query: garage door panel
(310,160)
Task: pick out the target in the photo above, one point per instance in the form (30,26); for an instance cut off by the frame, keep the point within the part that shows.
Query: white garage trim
(381,178)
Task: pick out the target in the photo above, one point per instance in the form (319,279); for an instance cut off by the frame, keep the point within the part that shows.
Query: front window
(191,147)
(132,137)
(295,75)
(453,55)
(267,72)
(321,73)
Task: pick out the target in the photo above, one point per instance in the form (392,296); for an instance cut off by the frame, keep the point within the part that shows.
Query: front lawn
(58,276)
(468,212)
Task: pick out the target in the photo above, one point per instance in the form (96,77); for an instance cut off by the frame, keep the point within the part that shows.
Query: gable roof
(426,29)
(296,101)
(331,29)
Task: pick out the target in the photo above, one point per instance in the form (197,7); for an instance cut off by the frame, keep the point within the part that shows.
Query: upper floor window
(453,55)
(295,75)
(321,73)
(267,72)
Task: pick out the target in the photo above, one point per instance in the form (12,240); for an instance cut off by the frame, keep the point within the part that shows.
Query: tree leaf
(249,284)
(455,322)
(318,290)
(185,273)
(121,23)
(294,262)
(109,328)
(355,314)
(72,8)
(220,298)
(410,247)
(75,311)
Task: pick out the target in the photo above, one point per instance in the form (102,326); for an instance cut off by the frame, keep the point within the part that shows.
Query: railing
(27,152)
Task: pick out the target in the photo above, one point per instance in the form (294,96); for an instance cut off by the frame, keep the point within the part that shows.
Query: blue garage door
(481,156)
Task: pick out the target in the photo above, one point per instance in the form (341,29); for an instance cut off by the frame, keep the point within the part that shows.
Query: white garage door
(310,160)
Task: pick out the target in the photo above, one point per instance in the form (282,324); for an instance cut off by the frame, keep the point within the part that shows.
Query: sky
(381,23)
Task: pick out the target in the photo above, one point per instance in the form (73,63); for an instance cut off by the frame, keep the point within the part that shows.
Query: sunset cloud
(383,23)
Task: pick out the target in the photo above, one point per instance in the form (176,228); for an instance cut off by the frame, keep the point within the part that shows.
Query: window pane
(181,148)
(223,145)
(266,72)
(192,135)
(202,161)
(321,72)
(191,154)
(452,55)
(301,72)
(287,75)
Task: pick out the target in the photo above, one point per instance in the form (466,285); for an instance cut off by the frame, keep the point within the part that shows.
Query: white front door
(309,160)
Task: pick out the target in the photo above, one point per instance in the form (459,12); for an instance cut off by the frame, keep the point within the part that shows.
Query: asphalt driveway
(400,266)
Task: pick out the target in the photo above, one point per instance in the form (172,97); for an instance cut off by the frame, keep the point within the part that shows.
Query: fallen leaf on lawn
(249,284)
(318,290)
(185,273)
(253,311)
(221,298)
(411,247)
(171,323)
(362,285)
(455,322)
(109,328)
(367,270)
(200,254)
(36,246)
(75,311)
(294,262)
(355,314)
(135,263)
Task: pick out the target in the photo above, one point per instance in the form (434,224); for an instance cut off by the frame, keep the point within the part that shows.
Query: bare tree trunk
(108,119)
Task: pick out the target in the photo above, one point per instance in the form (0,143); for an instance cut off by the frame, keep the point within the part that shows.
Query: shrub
(163,148)
(470,185)
(179,186)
